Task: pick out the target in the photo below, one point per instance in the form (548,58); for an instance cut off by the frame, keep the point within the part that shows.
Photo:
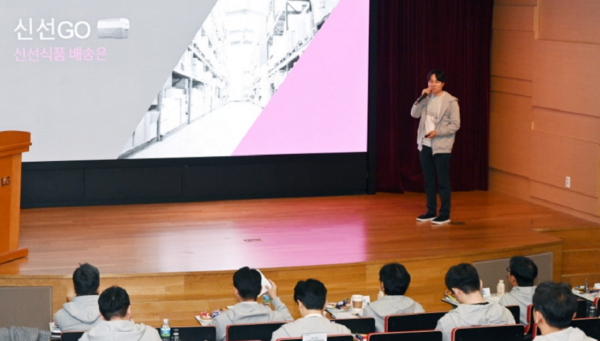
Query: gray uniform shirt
(568,334)
(468,315)
(80,314)
(309,324)
(390,305)
(251,312)
(520,296)
(120,331)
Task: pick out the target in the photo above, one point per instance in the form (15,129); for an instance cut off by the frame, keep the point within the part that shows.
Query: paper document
(265,284)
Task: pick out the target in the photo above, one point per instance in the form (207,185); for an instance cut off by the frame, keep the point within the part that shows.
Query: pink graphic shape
(321,107)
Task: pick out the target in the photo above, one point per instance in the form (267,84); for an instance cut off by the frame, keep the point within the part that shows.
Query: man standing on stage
(440,120)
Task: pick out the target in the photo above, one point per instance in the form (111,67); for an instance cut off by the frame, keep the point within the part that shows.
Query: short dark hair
(113,302)
(86,280)
(556,302)
(395,279)
(312,293)
(439,75)
(247,282)
(524,270)
(463,276)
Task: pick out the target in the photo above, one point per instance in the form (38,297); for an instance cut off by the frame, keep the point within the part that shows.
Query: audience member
(554,308)
(311,296)
(81,313)
(115,309)
(521,274)
(463,280)
(246,287)
(393,281)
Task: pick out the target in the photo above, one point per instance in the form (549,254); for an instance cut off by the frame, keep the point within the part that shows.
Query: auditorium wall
(545,104)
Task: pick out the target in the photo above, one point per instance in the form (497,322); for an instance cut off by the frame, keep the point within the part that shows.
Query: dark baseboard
(118,182)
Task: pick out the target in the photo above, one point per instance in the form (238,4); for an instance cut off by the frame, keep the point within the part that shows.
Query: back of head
(524,270)
(86,280)
(312,293)
(113,303)
(556,302)
(247,282)
(395,279)
(463,276)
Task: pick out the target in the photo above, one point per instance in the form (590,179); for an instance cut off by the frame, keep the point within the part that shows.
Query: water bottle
(592,310)
(266,300)
(500,288)
(165,331)
(176,335)
(586,288)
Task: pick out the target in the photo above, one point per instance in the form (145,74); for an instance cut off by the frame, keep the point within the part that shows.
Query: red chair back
(329,338)
(590,326)
(529,328)
(364,325)
(71,336)
(252,331)
(421,335)
(510,332)
(412,322)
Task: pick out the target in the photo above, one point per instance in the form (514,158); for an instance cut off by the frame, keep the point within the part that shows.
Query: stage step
(577,238)
(580,258)
(580,254)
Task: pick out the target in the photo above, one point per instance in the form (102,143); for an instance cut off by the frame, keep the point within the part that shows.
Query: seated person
(521,274)
(311,296)
(247,287)
(393,281)
(81,313)
(115,324)
(463,280)
(555,306)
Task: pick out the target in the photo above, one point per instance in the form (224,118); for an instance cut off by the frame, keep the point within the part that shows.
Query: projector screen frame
(143,181)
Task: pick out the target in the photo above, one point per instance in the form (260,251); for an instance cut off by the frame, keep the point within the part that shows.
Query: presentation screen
(147,79)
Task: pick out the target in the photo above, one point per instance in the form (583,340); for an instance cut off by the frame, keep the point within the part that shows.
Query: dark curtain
(415,36)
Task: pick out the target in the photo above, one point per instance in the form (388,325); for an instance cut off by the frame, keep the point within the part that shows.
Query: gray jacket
(309,324)
(569,334)
(520,296)
(446,124)
(80,314)
(251,312)
(120,330)
(468,315)
(23,334)
(390,305)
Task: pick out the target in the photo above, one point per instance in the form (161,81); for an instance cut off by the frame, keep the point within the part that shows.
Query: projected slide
(185,78)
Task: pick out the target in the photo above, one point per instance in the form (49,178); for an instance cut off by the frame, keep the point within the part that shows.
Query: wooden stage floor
(178,259)
(274,233)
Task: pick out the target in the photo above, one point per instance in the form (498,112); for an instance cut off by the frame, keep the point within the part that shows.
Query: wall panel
(563,197)
(509,184)
(510,121)
(575,126)
(512,54)
(566,77)
(545,51)
(554,157)
(511,86)
(514,18)
(572,21)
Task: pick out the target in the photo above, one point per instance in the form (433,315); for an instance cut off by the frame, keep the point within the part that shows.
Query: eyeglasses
(508,269)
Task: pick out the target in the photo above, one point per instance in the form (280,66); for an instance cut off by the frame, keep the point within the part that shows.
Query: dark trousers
(432,165)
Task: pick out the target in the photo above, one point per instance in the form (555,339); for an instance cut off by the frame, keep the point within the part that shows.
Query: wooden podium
(12,144)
